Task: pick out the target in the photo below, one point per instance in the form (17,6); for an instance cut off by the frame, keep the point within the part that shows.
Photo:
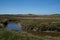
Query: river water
(13,26)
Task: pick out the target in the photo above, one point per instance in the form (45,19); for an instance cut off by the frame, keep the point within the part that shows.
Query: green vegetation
(16,35)
(42,28)
(35,29)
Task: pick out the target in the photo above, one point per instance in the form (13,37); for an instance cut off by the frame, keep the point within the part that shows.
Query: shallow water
(13,26)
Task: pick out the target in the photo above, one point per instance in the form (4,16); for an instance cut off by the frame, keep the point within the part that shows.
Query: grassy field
(42,27)
(16,35)
(47,28)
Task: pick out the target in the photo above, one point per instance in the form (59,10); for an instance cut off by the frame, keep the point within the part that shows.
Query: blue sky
(29,6)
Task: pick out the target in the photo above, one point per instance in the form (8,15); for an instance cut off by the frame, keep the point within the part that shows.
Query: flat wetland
(35,27)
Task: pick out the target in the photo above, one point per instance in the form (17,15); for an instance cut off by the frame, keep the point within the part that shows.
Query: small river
(13,26)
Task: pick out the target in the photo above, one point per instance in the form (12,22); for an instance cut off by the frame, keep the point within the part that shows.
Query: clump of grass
(41,26)
(15,35)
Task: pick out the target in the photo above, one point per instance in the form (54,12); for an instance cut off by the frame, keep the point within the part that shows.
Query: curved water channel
(13,26)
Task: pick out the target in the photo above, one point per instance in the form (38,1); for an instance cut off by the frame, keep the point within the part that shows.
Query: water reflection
(13,26)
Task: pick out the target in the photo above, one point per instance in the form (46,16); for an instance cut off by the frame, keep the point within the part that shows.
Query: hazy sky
(29,6)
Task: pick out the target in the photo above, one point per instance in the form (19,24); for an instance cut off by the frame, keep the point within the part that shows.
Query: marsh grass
(15,35)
